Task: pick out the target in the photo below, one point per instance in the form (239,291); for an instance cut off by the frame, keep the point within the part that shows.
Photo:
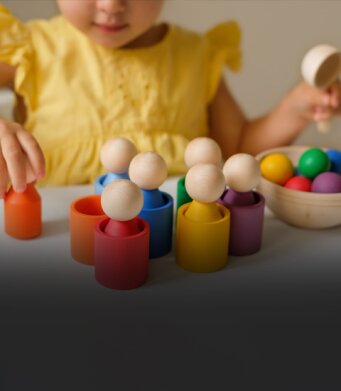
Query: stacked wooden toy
(129,222)
(199,150)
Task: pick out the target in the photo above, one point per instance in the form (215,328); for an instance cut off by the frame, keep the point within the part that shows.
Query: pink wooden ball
(205,182)
(148,170)
(242,172)
(203,150)
(122,200)
(116,154)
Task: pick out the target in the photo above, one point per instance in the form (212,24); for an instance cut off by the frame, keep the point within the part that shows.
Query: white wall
(276,35)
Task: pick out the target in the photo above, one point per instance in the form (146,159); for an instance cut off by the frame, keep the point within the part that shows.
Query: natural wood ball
(203,150)
(205,182)
(122,200)
(148,170)
(242,172)
(116,154)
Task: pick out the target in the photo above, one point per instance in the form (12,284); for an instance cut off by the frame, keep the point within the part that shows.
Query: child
(104,68)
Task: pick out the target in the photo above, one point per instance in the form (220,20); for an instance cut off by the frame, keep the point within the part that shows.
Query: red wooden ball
(300,183)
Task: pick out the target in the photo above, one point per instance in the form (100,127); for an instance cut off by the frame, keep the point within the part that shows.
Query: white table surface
(270,304)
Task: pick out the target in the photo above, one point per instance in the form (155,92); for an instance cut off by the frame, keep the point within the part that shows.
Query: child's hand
(312,104)
(331,107)
(21,158)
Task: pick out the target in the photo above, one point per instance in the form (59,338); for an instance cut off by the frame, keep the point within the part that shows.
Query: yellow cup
(202,246)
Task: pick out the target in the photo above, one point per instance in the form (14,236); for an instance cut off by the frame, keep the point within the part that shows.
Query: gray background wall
(276,35)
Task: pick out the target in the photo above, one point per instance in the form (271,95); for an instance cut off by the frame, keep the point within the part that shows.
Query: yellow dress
(79,94)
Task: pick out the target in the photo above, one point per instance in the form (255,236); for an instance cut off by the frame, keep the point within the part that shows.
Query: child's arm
(235,133)
(7,73)
(226,121)
(20,153)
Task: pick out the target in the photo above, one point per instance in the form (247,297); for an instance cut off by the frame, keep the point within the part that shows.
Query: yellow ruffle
(224,50)
(16,50)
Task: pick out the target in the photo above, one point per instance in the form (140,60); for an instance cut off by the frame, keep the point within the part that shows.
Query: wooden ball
(203,150)
(148,170)
(122,200)
(116,154)
(242,172)
(205,182)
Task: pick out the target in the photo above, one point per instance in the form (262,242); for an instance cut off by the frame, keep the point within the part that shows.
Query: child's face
(112,23)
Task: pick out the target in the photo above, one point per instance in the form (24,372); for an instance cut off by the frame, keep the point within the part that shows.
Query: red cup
(122,262)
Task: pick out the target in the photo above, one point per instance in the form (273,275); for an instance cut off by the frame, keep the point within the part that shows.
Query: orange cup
(84,213)
(22,213)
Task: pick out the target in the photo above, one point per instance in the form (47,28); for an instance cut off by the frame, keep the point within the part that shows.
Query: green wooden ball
(313,162)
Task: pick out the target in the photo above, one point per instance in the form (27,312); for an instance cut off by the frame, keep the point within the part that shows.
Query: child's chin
(108,41)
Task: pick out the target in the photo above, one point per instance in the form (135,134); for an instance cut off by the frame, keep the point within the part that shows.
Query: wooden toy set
(131,221)
(120,230)
(219,206)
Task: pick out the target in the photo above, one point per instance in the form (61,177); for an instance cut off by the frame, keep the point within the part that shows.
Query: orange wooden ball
(242,172)
(148,170)
(203,150)
(122,200)
(116,154)
(205,182)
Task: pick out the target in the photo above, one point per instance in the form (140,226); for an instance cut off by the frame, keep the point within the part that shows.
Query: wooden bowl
(299,208)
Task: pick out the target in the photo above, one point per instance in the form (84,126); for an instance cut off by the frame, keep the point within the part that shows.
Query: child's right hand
(312,104)
(21,158)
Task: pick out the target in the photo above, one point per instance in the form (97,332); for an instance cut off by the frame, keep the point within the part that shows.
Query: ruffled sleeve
(224,50)
(16,50)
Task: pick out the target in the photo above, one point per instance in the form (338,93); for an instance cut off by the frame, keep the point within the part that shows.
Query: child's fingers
(33,152)
(15,161)
(317,97)
(3,176)
(322,99)
(335,95)
(322,113)
(318,117)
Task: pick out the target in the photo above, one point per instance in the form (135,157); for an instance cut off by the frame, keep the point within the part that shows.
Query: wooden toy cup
(246,227)
(84,213)
(202,247)
(122,261)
